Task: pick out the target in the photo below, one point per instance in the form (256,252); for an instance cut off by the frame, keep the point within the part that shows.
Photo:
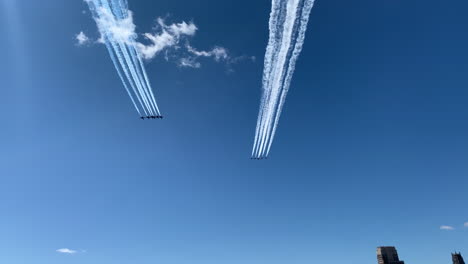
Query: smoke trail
(134,78)
(123,65)
(98,12)
(278,70)
(119,72)
(122,5)
(276,35)
(114,47)
(292,63)
(288,24)
(115,23)
(270,56)
(107,11)
(119,8)
(140,62)
(143,82)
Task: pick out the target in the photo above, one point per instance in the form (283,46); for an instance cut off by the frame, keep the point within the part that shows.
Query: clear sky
(371,150)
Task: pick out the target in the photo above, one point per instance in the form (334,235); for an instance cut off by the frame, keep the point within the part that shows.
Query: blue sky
(371,150)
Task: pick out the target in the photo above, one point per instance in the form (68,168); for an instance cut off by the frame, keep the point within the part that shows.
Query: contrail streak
(279,67)
(128,60)
(113,19)
(119,72)
(304,20)
(277,19)
(270,55)
(113,49)
(267,68)
(129,79)
(128,51)
(288,24)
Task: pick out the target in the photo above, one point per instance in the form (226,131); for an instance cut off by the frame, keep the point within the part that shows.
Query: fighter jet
(142,117)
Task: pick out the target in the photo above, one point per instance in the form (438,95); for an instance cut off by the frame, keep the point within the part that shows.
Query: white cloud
(183,29)
(100,40)
(67,251)
(81,38)
(122,30)
(159,42)
(169,36)
(448,228)
(189,63)
(218,53)
(465,224)
(165,39)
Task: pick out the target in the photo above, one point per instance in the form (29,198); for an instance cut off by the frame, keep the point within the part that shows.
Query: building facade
(457,258)
(389,255)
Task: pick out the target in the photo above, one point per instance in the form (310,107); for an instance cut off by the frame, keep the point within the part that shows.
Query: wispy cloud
(122,30)
(189,63)
(81,39)
(170,39)
(67,251)
(169,36)
(447,228)
(218,53)
(465,224)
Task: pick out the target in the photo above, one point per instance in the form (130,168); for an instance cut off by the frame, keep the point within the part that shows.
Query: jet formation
(152,117)
(288,25)
(110,17)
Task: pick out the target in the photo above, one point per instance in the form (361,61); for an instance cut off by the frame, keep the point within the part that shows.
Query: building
(457,258)
(389,255)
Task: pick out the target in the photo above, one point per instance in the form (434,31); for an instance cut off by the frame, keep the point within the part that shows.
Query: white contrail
(96,9)
(106,10)
(113,20)
(122,7)
(119,72)
(127,74)
(279,68)
(288,24)
(113,48)
(277,19)
(304,20)
(135,77)
(146,78)
(121,13)
(137,62)
(270,56)
(123,64)
(143,83)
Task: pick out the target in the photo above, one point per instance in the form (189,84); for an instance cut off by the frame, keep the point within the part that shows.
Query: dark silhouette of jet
(151,117)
